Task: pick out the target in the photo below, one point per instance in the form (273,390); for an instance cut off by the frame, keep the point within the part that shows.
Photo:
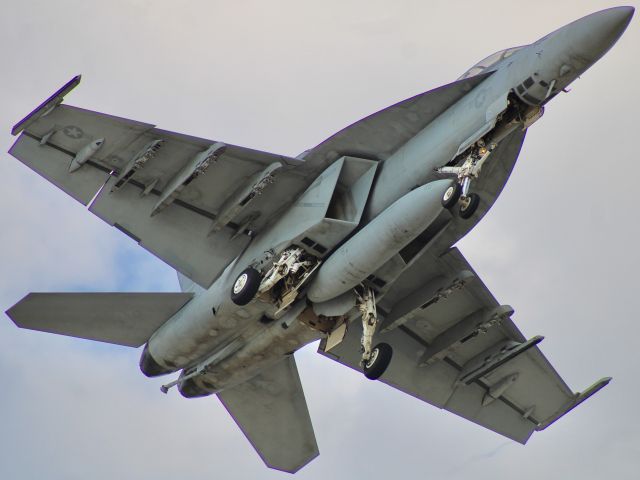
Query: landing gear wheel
(451,195)
(378,361)
(246,286)
(469,205)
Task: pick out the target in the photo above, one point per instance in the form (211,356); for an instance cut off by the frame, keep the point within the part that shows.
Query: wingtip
(579,398)
(46,106)
(600,384)
(603,382)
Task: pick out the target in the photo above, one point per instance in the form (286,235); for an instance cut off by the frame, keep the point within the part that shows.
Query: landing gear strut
(289,271)
(374,360)
(458,192)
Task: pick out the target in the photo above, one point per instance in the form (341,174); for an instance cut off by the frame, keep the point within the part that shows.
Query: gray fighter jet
(349,243)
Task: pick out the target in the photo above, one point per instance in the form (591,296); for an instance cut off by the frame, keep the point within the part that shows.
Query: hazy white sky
(560,245)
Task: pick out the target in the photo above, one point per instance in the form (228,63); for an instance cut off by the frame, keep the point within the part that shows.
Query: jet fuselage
(219,344)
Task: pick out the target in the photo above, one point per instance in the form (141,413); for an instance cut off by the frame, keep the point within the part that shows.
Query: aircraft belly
(208,323)
(212,321)
(268,346)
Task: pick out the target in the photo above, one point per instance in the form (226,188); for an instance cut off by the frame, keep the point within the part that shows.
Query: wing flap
(435,384)
(53,164)
(538,389)
(167,233)
(500,417)
(127,319)
(272,412)
(538,385)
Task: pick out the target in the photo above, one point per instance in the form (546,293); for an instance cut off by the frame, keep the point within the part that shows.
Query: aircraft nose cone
(611,23)
(600,30)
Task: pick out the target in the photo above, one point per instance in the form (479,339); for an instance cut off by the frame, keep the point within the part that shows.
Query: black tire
(243,291)
(469,208)
(381,355)
(451,195)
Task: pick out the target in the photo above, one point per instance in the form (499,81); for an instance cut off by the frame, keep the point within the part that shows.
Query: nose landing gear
(452,195)
(458,192)
(468,205)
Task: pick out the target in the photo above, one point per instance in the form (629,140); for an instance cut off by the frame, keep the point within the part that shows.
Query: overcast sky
(560,245)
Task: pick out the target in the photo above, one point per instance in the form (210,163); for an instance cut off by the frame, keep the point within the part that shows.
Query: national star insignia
(73,131)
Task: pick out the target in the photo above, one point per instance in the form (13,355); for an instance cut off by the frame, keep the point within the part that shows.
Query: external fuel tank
(378,241)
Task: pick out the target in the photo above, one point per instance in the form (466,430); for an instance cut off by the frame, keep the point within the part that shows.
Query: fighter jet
(350,243)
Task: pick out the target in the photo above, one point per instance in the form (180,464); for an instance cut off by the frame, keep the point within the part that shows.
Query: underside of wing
(271,411)
(457,348)
(454,345)
(121,318)
(163,189)
(167,190)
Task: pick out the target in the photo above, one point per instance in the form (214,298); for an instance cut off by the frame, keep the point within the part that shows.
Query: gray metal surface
(378,241)
(191,215)
(190,218)
(122,318)
(538,390)
(53,165)
(212,211)
(272,412)
(371,136)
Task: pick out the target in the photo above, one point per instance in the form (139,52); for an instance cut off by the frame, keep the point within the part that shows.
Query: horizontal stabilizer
(271,411)
(121,318)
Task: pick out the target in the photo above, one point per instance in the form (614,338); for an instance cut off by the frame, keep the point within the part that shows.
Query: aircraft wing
(271,411)
(163,189)
(167,190)
(457,348)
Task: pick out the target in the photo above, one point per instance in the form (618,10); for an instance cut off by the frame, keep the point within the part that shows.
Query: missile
(378,241)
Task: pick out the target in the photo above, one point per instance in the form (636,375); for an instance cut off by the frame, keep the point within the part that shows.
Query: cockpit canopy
(490,61)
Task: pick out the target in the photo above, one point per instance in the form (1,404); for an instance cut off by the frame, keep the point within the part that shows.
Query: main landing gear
(458,192)
(287,274)
(374,360)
